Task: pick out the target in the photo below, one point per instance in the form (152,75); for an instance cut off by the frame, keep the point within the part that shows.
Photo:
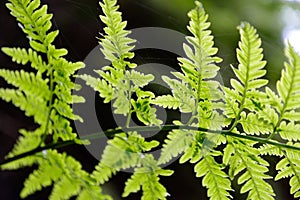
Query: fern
(197,68)
(118,82)
(176,143)
(229,130)
(199,94)
(36,94)
(46,96)
(245,158)
(289,167)
(122,152)
(249,73)
(147,178)
(285,103)
(214,179)
(65,170)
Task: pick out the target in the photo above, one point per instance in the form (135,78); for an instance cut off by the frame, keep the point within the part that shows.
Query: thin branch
(37,150)
(112,132)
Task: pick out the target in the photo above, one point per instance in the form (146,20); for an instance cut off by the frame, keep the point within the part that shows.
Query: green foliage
(122,152)
(61,171)
(120,81)
(146,177)
(226,137)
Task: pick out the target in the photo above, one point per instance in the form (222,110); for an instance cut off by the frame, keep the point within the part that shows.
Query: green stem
(112,132)
(50,106)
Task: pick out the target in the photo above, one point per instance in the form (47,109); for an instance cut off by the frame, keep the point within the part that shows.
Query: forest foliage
(230,130)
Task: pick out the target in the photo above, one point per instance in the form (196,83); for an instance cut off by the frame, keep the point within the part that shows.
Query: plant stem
(112,132)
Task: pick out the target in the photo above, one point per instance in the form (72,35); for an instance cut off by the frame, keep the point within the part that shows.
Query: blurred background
(77,20)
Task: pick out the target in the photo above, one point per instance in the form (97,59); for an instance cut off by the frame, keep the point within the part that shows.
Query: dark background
(78,23)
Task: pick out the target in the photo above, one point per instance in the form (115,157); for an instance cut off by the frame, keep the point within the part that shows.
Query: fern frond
(286,102)
(289,131)
(105,90)
(116,45)
(289,167)
(145,113)
(60,191)
(61,128)
(147,178)
(117,82)
(167,101)
(198,68)
(28,141)
(41,178)
(103,173)
(243,157)
(249,72)
(35,22)
(271,150)
(181,93)
(139,79)
(200,59)
(93,192)
(65,110)
(32,105)
(23,56)
(122,152)
(176,143)
(28,82)
(288,85)
(65,173)
(214,179)
(249,55)
(45,95)
(253,124)
(193,152)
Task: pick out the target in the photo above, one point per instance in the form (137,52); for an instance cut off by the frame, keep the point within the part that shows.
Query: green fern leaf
(122,152)
(32,105)
(249,55)
(93,192)
(29,83)
(103,173)
(28,141)
(61,128)
(214,179)
(139,79)
(197,68)
(180,92)
(166,101)
(105,90)
(117,83)
(65,173)
(177,143)
(250,69)
(288,85)
(41,178)
(245,157)
(64,189)
(267,149)
(116,45)
(65,110)
(253,124)
(145,113)
(286,103)
(33,18)
(289,131)
(147,178)
(23,56)
(289,167)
